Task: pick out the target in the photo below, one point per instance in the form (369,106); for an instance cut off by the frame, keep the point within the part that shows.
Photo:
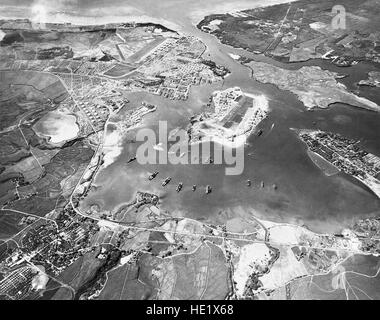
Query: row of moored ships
(180,185)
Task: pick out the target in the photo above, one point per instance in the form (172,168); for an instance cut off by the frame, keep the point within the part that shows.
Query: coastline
(150,20)
(193,13)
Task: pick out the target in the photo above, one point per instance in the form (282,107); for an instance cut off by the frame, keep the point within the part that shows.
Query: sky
(100,11)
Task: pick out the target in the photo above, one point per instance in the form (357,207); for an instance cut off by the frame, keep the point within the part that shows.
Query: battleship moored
(153,175)
(131,159)
(179,187)
(166,181)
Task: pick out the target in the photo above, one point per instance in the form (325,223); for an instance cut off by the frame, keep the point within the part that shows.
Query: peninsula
(312,85)
(346,155)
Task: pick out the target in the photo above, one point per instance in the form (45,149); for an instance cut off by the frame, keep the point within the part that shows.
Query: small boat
(179,187)
(249,183)
(131,159)
(260,132)
(194,187)
(262,184)
(208,189)
(153,175)
(166,181)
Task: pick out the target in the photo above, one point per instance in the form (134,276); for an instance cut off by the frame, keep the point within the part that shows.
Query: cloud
(43,11)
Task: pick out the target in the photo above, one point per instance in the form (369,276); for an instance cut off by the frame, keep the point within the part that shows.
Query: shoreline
(193,17)
(148,19)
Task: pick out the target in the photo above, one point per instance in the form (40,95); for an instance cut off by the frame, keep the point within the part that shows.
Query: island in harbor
(229,118)
(314,86)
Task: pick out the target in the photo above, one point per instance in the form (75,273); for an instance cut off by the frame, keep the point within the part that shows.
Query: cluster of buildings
(368,228)
(133,117)
(176,65)
(368,231)
(55,246)
(87,68)
(343,153)
(339,60)
(346,155)
(97,114)
(17,284)
(234,115)
(50,246)
(177,86)
(95,97)
(225,101)
(169,70)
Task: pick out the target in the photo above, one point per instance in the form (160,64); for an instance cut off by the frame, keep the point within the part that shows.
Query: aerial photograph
(189,150)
